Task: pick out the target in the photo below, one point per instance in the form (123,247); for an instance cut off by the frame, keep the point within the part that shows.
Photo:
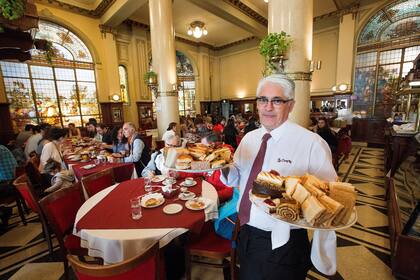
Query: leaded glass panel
(364,89)
(13,69)
(46,98)
(69,103)
(403,27)
(84,75)
(387,84)
(64,74)
(392,56)
(366,59)
(41,72)
(406,68)
(411,53)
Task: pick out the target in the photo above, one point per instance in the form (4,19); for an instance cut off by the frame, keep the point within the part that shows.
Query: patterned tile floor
(363,251)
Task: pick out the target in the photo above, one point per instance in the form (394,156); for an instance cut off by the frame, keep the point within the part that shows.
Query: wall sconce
(317,65)
(115,97)
(343,87)
(150,79)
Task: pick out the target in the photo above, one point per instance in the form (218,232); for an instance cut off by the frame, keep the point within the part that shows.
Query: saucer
(172,208)
(184,184)
(186,196)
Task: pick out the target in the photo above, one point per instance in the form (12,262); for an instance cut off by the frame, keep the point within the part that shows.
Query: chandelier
(197,29)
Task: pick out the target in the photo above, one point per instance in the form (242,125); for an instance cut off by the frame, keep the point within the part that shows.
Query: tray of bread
(306,201)
(197,158)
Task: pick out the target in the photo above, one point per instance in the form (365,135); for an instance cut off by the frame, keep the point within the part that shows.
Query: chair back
(123,173)
(61,207)
(147,140)
(160,144)
(25,189)
(144,266)
(97,182)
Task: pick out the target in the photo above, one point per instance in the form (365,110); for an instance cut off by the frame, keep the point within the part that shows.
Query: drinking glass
(135,208)
(147,185)
(172,176)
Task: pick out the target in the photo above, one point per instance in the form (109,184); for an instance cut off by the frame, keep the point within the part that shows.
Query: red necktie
(245,206)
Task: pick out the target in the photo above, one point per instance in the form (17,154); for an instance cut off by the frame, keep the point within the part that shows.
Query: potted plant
(274,47)
(150,78)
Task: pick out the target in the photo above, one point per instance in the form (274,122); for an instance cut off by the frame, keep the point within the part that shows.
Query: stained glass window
(123,83)
(378,71)
(57,92)
(401,18)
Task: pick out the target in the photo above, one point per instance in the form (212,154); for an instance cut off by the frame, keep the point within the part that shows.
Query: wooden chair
(212,246)
(144,266)
(26,190)
(14,196)
(147,140)
(123,173)
(160,144)
(60,209)
(98,181)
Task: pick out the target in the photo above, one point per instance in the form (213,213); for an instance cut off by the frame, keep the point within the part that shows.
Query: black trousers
(259,262)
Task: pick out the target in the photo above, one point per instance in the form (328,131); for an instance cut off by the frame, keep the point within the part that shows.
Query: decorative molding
(104,29)
(248,11)
(400,42)
(234,43)
(352,9)
(300,76)
(96,13)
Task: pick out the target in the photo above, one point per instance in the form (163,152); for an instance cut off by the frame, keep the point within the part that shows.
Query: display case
(112,113)
(146,118)
(213,108)
(403,213)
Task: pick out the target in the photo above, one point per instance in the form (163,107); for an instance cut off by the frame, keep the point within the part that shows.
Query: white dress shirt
(292,151)
(167,134)
(51,150)
(32,144)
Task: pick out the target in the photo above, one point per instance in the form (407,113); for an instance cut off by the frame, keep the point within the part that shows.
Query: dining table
(106,228)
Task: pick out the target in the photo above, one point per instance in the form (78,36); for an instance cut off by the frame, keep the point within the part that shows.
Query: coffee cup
(189,181)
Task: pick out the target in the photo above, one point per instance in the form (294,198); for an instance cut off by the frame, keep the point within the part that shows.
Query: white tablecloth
(117,245)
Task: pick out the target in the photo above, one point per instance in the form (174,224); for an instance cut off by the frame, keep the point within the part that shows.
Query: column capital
(167,93)
(300,76)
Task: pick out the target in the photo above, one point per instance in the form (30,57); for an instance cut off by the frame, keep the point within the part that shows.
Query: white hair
(280,80)
(170,138)
(131,125)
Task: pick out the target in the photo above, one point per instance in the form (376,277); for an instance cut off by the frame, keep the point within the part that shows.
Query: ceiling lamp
(197,29)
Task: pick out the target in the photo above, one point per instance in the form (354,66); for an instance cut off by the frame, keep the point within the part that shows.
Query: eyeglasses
(276,101)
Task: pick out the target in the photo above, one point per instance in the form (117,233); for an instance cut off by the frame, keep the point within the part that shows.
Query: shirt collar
(279,132)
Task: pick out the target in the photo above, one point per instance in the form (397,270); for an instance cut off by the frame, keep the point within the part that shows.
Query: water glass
(135,208)
(147,185)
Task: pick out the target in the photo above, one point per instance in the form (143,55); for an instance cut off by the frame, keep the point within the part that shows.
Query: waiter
(269,248)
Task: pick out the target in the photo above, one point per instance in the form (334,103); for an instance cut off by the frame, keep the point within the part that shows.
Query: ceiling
(225,21)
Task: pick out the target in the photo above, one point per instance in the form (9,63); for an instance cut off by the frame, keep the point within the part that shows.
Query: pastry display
(197,157)
(306,200)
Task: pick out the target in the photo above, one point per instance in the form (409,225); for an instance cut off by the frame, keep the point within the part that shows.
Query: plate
(172,208)
(301,223)
(85,160)
(160,201)
(183,196)
(89,166)
(196,204)
(158,178)
(200,170)
(184,184)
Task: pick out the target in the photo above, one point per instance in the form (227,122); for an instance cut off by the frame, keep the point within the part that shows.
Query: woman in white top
(52,148)
(170,131)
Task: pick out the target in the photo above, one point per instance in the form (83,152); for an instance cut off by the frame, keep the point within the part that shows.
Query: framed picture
(116,115)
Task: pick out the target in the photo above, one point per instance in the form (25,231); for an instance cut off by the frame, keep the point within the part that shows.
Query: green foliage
(272,46)
(12,9)
(49,51)
(148,75)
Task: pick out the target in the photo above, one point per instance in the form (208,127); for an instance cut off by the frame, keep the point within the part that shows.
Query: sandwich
(183,162)
(333,208)
(224,153)
(313,190)
(291,183)
(309,179)
(300,194)
(197,153)
(172,156)
(218,163)
(345,194)
(312,209)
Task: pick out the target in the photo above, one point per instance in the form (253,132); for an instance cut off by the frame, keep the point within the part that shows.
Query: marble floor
(363,251)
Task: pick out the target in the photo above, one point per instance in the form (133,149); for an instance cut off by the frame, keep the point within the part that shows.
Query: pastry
(151,202)
(288,209)
(218,163)
(269,184)
(183,162)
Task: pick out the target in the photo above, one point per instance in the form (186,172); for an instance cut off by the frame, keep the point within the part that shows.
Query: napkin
(209,195)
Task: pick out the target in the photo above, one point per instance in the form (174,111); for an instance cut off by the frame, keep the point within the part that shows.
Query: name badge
(280,160)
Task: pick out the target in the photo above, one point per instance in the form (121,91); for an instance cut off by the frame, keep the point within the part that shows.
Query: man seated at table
(156,163)
(138,153)
(102,134)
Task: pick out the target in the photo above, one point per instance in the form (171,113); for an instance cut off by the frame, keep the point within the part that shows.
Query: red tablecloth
(80,172)
(114,212)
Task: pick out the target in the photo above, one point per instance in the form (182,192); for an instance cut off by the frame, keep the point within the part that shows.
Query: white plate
(190,195)
(184,184)
(172,208)
(200,170)
(158,178)
(143,203)
(89,166)
(301,223)
(191,204)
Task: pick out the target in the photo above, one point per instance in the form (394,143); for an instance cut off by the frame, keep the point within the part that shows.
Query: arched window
(123,84)
(59,90)
(386,48)
(186,82)
(186,86)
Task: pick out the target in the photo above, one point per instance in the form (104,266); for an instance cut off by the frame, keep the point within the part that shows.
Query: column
(296,19)
(345,53)
(164,62)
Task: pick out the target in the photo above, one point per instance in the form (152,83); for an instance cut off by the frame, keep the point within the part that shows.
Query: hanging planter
(274,47)
(150,78)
